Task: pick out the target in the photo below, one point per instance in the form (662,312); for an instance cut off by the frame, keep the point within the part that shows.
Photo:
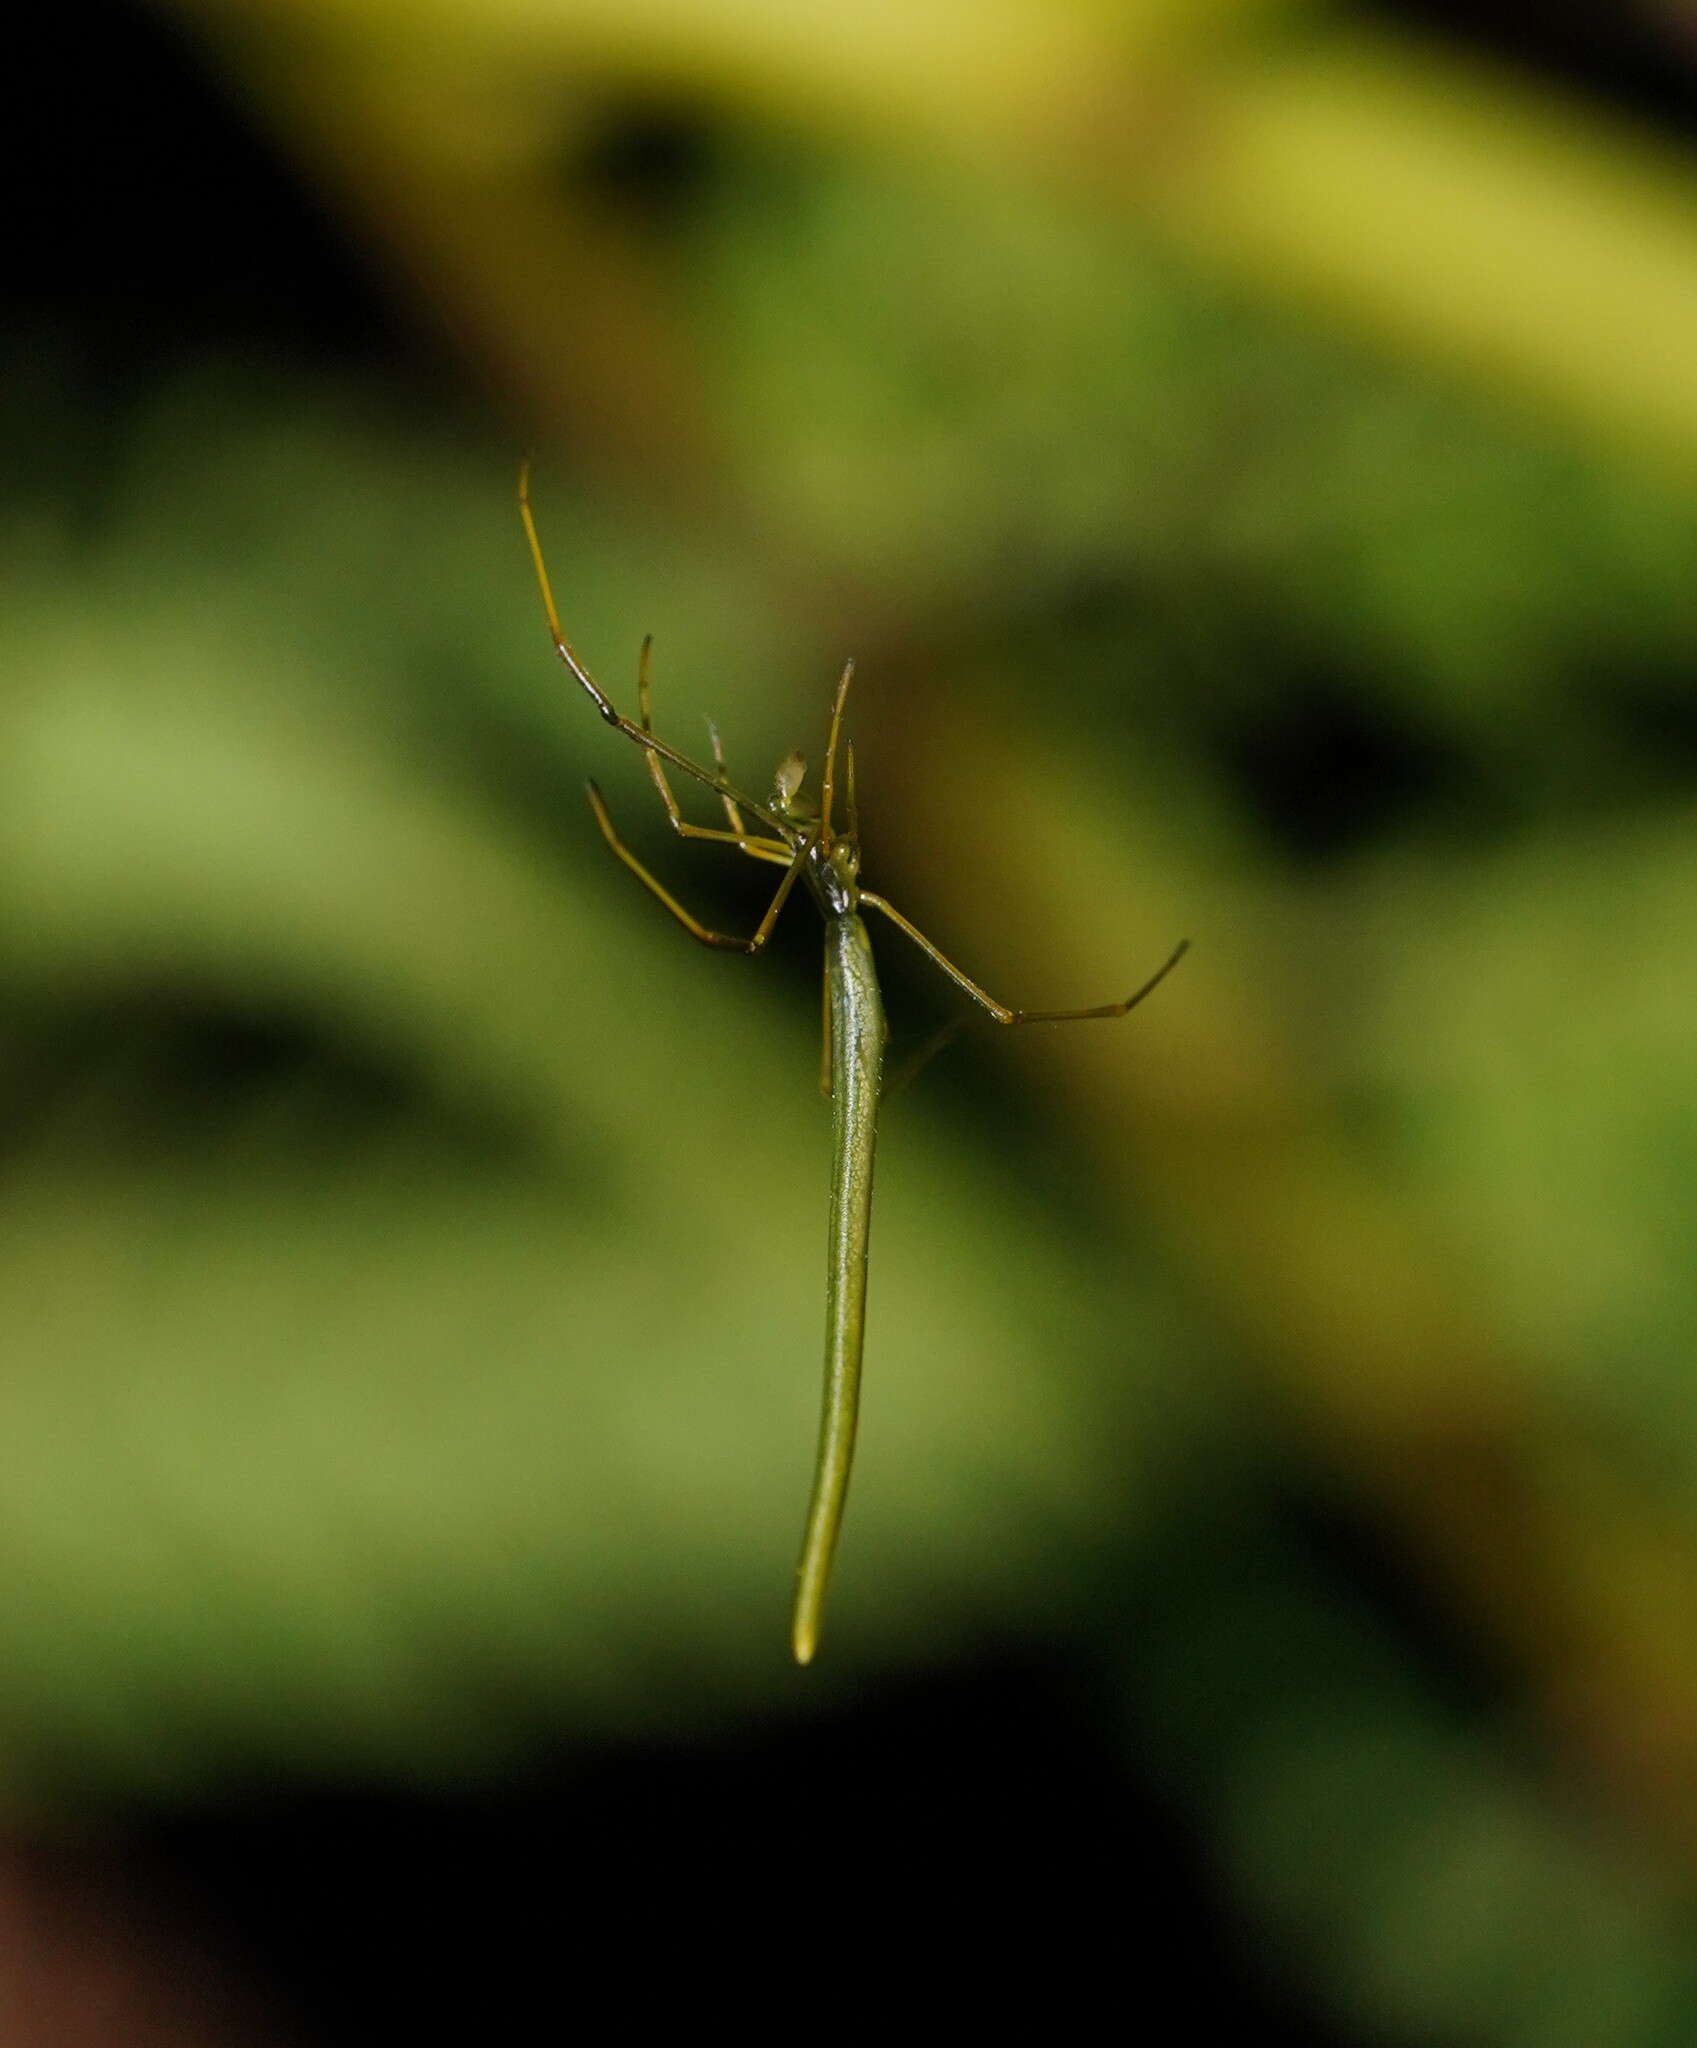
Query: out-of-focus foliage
(410,1245)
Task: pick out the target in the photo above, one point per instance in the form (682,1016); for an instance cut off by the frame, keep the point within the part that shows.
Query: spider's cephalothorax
(831,860)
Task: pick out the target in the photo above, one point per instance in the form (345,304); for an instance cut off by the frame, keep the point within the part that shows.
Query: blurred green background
(1250,449)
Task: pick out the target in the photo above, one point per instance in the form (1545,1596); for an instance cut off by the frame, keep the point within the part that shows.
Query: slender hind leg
(828,786)
(1000,1011)
(643,734)
(761,847)
(753,845)
(693,925)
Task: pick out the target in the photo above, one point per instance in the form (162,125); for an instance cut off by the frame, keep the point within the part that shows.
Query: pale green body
(857,1068)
